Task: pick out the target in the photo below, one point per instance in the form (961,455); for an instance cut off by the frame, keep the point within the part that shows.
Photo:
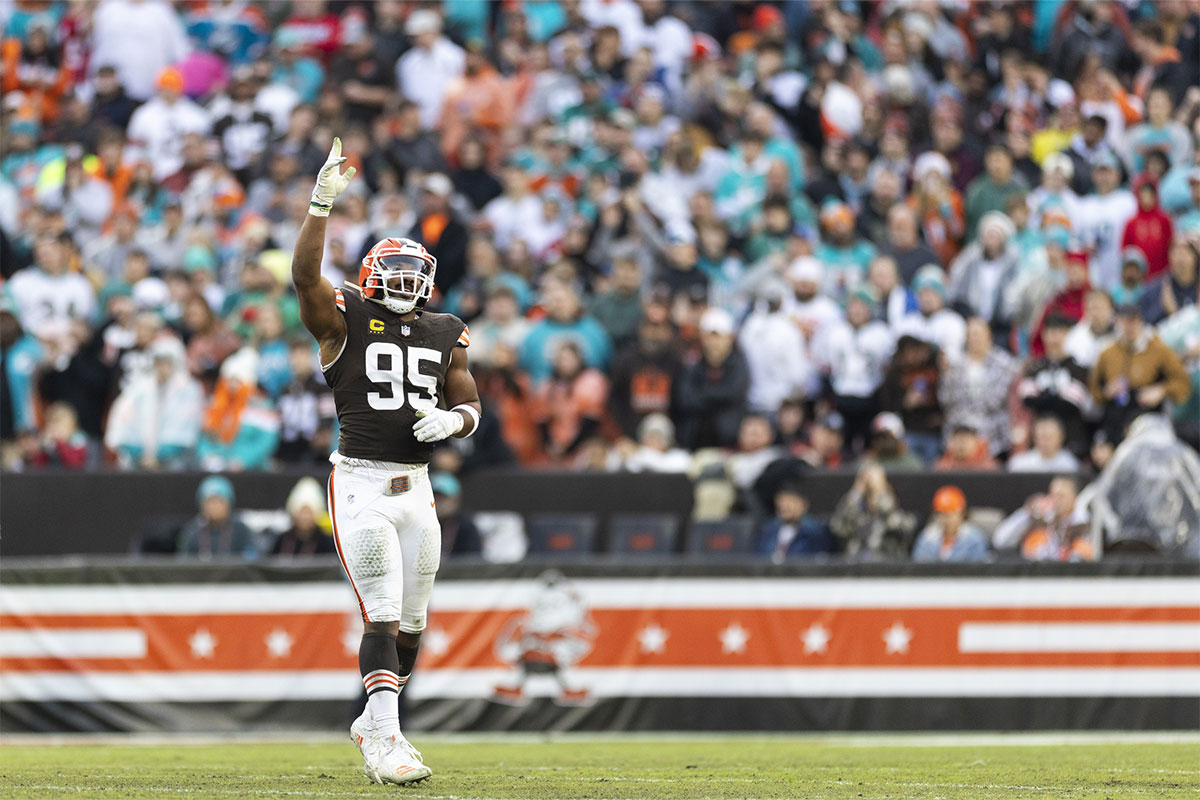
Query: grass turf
(615,768)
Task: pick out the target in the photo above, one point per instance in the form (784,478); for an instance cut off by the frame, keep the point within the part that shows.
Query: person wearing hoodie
(241,426)
(776,354)
(155,422)
(932,322)
(980,274)
(854,355)
(1150,228)
(1069,302)
(1132,284)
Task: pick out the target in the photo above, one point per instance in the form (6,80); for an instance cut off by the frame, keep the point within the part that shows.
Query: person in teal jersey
(1189,222)
(294,69)
(1133,276)
(843,255)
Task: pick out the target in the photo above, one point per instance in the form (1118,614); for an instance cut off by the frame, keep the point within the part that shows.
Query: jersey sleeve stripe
(464,338)
(339,299)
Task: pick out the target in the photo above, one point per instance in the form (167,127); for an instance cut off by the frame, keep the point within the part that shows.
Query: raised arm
(318,306)
(462,397)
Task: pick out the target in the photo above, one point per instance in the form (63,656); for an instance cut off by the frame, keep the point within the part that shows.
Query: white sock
(383,696)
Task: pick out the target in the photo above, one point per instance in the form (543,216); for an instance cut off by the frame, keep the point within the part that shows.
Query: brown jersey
(387,371)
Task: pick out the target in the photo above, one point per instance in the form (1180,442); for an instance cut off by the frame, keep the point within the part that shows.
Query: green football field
(602,767)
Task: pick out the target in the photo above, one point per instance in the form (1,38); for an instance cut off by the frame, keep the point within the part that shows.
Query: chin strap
(470,411)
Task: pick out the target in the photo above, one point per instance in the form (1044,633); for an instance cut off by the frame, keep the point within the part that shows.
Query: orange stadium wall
(106,646)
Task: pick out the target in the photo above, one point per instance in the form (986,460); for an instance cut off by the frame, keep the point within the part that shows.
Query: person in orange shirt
(938,206)
(480,100)
(572,402)
(965,450)
(34,68)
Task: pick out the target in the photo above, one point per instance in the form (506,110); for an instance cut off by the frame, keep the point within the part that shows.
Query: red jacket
(1150,230)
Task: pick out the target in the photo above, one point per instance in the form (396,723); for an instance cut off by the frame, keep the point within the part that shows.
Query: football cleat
(394,760)
(362,730)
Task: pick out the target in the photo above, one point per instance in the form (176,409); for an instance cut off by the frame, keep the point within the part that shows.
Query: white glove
(330,183)
(433,426)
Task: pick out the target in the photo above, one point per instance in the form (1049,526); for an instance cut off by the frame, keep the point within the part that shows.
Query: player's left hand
(438,424)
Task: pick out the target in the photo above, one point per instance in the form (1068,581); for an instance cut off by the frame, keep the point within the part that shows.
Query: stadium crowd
(941,235)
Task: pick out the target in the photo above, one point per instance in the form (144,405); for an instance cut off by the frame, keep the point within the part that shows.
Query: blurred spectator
(426,71)
(1146,499)
(573,401)
(309,533)
(110,102)
(889,446)
(619,308)
(868,521)
(1158,134)
(948,536)
(155,421)
(241,426)
(440,230)
(755,450)
(655,449)
(62,444)
(813,312)
(938,208)
(216,531)
(775,353)
(931,321)
(48,295)
(140,38)
(911,390)
(965,450)
(209,340)
(854,354)
(160,124)
(460,536)
(306,410)
(1050,527)
(19,357)
(975,387)
(564,320)
(1132,283)
(1055,384)
(1048,453)
(1100,215)
(1175,289)
(904,243)
(1136,373)
(793,532)
(981,272)
(711,394)
(1095,332)
(990,191)
(825,448)
(1149,229)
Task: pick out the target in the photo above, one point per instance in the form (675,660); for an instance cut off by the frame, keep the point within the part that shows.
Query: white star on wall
(897,638)
(203,643)
(816,638)
(436,641)
(279,643)
(351,640)
(653,638)
(734,638)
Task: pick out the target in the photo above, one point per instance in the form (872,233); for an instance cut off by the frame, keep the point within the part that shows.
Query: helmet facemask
(400,283)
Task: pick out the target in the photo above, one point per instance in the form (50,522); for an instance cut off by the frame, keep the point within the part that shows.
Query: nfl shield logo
(405,330)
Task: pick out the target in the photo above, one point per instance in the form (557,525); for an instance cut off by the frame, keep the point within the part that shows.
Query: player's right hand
(330,182)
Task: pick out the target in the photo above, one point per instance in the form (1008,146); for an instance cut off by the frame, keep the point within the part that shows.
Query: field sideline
(921,766)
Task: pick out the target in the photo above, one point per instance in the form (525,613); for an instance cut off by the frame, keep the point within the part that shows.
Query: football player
(400,382)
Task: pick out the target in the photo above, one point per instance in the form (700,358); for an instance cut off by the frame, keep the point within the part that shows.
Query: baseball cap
(422,21)
(437,183)
(1134,255)
(832,421)
(1106,160)
(1059,162)
(215,486)
(680,232)
(716,320)
(805,268)
(930,276)
(169,78)
(887,422)
(949,499)
(444,483)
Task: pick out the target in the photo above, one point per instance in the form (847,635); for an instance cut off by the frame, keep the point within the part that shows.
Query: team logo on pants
(398,485)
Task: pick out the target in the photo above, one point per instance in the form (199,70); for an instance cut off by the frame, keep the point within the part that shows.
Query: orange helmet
(949,499)
(402,259)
